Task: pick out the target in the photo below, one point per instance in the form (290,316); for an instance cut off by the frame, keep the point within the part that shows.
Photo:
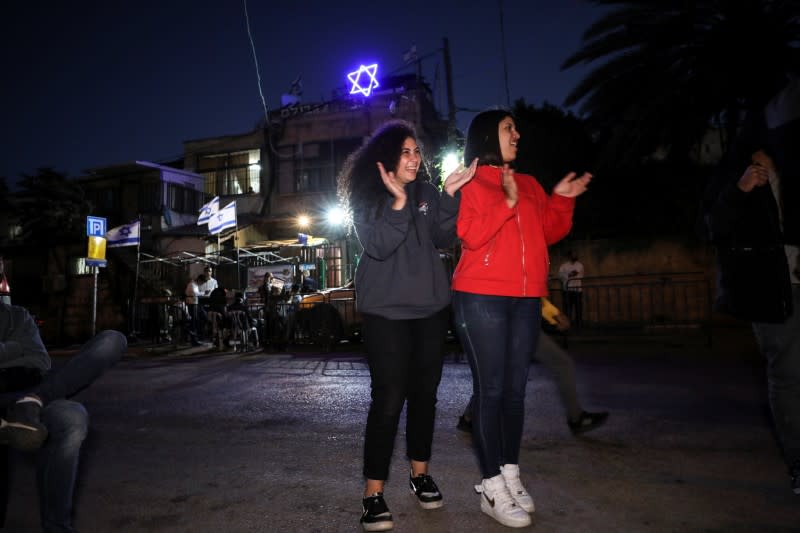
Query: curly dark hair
(359,184)
(482,137)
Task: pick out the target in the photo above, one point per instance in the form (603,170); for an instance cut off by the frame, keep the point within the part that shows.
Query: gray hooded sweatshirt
(401,275)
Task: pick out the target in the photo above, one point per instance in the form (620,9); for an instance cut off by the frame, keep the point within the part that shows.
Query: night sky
(94,83)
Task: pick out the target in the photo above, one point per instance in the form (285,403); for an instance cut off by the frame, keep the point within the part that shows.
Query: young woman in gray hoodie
(402,292)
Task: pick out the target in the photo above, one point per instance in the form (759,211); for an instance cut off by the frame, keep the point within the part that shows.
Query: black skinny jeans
(405,364)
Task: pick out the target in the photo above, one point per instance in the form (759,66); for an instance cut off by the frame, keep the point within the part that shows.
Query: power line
(255,60)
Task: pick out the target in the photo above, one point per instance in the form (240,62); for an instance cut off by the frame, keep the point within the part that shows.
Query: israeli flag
(207,210)
(223,219)
(127,235)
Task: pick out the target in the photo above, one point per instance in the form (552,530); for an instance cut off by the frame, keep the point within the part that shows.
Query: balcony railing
(232,180)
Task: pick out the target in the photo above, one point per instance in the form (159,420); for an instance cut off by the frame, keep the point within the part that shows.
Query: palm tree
(554,142)
(670,69)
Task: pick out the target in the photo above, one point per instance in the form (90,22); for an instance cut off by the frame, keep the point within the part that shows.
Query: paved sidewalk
(196,441)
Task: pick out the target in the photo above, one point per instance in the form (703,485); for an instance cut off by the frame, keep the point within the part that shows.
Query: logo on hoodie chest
(423,207)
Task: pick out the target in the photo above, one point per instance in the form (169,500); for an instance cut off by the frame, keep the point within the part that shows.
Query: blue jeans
(67,424)
(498,335)
(57,462)
(551,355)
(780,346)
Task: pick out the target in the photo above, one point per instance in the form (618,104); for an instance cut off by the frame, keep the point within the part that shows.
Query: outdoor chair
(241,331)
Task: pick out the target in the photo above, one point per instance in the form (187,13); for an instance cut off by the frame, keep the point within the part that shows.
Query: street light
(335,216)
(450,161)
(303,221)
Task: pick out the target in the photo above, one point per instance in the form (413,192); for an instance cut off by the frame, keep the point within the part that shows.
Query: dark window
(317,164)
(149,197)
(105,199)
(183,199)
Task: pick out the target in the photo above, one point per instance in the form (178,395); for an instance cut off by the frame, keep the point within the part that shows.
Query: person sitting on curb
(38,415)
(553,356)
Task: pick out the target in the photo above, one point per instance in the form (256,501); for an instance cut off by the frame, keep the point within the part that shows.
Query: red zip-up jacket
(504,250)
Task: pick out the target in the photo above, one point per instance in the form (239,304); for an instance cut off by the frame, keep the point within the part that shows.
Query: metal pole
(135,288)
(238,266)
(94,301)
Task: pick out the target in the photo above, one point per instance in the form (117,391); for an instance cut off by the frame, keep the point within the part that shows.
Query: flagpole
(136,282)
(238,267)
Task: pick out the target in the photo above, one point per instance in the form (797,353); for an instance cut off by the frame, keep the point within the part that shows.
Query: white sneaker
(496,501)
(511,475)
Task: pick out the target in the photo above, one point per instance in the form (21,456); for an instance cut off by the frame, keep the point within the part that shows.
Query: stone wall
(616,258)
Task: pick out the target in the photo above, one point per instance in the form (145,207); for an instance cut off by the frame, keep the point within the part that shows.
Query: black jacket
(753,281)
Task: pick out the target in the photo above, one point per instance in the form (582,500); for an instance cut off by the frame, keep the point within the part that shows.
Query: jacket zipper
(522,244)
(489,252)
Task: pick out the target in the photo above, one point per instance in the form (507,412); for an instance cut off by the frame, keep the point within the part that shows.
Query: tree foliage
(553,142)
(4,190)
(638,200)
(666,69)
(50,208)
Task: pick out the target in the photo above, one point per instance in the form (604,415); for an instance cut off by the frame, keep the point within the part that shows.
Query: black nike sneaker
(376,515)
(426,491)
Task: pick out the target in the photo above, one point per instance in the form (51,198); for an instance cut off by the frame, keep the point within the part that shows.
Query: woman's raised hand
(510,187)
(395,189)
(459,177)
(571,186)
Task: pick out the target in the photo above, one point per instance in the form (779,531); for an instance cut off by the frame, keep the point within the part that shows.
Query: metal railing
(631,305)
(642,304)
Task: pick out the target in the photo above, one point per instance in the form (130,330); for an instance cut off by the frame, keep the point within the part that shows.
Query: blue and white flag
(127,235)
(207,210)
(223,219)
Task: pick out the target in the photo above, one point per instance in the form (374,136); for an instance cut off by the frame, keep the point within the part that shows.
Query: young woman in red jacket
(505,222)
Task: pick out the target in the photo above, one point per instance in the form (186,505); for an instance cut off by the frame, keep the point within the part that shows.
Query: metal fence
(632,305)
(642,304)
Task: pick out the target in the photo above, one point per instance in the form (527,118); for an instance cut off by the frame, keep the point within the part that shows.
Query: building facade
(283,174)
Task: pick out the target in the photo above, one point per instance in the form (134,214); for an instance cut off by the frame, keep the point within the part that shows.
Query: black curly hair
(359,184)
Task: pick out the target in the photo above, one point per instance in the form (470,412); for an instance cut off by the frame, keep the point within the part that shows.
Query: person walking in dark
(402,292)
(217,315)
(753,216)
(196,313)
(570,273)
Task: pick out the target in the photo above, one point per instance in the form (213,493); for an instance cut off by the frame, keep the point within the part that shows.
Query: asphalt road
(201,442)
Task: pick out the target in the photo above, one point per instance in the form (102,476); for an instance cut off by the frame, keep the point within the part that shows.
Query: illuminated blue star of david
(355,79)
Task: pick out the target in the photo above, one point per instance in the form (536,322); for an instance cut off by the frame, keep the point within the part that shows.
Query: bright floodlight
(363,79)
(336,216)
(303,221)
(450,162)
